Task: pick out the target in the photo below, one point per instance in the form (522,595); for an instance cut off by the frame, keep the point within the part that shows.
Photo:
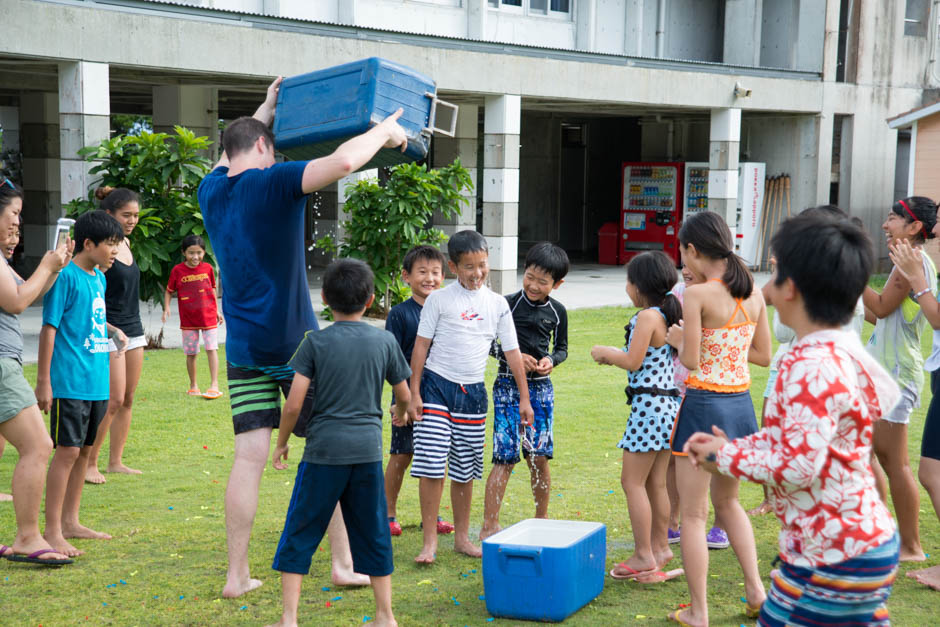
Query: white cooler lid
(544,533)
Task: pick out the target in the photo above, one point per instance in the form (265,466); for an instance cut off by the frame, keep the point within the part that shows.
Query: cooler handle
(533,553)
(430,129)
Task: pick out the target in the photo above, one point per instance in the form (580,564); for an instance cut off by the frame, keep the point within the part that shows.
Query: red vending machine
(651,209)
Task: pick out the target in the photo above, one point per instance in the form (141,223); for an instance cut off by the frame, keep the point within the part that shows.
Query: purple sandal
(34,557)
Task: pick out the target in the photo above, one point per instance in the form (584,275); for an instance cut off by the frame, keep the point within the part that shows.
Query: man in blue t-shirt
(254,213)
(72,379)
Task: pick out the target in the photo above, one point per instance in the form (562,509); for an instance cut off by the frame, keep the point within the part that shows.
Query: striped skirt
(850,593)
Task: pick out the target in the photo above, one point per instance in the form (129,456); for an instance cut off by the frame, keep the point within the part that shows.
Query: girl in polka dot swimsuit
(654,400)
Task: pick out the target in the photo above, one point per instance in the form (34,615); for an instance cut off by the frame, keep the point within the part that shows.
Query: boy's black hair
(193,240)
(550,258)
(8,191)
(424,251)
(654,275)
(347,285)
(925,210)
(463,242)
(829,261)
(113,198)
(240,135)
(711,237)
(835,212)
(98,226)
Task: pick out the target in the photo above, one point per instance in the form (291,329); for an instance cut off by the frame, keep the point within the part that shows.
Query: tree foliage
(165,170)
(387,221)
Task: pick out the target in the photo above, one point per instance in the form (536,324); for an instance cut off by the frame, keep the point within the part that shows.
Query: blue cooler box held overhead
(317,112)
(544,570)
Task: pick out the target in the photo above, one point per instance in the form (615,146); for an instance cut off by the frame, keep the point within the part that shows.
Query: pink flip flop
(633,573)
(660,576)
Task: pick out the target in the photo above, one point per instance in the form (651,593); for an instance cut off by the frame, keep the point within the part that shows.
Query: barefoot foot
(349,578)
(663,558)
(467,548)
(84,533)
(760,510)
(685,617)
(121,468)
(234,589)
(486,532)
(908,555)
(61,545)
(93,475)
(929,577)
(426,556)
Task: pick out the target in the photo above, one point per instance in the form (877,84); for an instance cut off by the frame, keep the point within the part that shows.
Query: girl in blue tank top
(654,402)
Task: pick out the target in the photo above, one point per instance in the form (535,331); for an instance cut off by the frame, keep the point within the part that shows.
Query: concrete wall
(792,34)
(694,29)
(539,178)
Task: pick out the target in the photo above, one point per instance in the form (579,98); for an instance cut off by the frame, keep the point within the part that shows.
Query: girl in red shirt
(193,281)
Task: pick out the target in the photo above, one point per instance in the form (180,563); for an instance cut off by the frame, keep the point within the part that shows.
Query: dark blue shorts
(402,440)
(360,491)
(733,412)
(537,439)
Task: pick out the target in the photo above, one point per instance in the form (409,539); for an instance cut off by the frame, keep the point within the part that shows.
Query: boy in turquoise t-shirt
(73,376)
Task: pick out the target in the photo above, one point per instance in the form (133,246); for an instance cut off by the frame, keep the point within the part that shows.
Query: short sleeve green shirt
(348,363)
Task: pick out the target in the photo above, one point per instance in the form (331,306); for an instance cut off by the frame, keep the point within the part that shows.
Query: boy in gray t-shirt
(347,363)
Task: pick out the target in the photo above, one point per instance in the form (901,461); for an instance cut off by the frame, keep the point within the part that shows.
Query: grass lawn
(166,564)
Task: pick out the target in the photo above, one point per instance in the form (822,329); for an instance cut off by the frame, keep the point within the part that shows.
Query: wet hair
(113,198)
(8,191)
(347,285)
(925,210)
(240,135)
(98,226)
(711,237)
(812,240)
(193,240)
(463,242)
(426,252)
(550,258)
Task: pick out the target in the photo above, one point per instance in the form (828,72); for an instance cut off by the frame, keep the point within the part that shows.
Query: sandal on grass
(660,576)
(194,392)
(34,557)
(632,573)
(212,394)
(676,617)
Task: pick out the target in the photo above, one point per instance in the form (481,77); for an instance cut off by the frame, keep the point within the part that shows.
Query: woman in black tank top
(122,300)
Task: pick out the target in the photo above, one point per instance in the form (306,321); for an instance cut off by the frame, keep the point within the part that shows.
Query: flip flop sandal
(752,611)
(33,558)
(194,392)
(676,617)
(660,576)
(3,551)
(633,573)
(212,394)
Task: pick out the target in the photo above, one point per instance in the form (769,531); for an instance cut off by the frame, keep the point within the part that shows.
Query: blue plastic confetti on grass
(456,602)
(104,604)
(123,583)
(743,600)
(111,585)
(610,491)
(182,597)
(336,598)
(244,607)
(490,619)
(366,619)
(156,596)
(170,507)
(473,570)
(325,588)
(481,598)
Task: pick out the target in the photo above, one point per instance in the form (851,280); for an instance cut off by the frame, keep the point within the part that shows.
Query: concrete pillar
(346,11)
(476,19)
(743,20)
(831,41)
(585,25)
(824,126)
(463,146)
(192,106)
(724,144)
(501,129)
(39,144)
(84,120)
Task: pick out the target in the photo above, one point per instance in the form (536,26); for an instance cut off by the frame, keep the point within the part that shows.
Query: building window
(555,8)
(915,17)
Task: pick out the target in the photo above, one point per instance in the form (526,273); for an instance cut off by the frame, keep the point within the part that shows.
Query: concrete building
(554,94)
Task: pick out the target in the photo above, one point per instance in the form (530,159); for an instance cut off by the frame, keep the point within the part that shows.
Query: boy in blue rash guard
(539,320)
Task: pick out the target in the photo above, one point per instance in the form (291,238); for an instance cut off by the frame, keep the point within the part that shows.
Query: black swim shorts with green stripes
(255,393)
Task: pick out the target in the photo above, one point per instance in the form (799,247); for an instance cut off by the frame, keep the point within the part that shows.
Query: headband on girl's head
(908,210)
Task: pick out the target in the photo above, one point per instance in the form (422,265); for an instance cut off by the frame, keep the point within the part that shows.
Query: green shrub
(387,221)
(165,170)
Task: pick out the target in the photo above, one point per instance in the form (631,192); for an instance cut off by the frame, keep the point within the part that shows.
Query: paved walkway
(586,286)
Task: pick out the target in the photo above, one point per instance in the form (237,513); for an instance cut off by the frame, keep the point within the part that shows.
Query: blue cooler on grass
(317,112)
(544,569)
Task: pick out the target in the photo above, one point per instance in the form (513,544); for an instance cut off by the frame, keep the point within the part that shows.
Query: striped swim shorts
(450,437)
(850,593)
(255,394)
